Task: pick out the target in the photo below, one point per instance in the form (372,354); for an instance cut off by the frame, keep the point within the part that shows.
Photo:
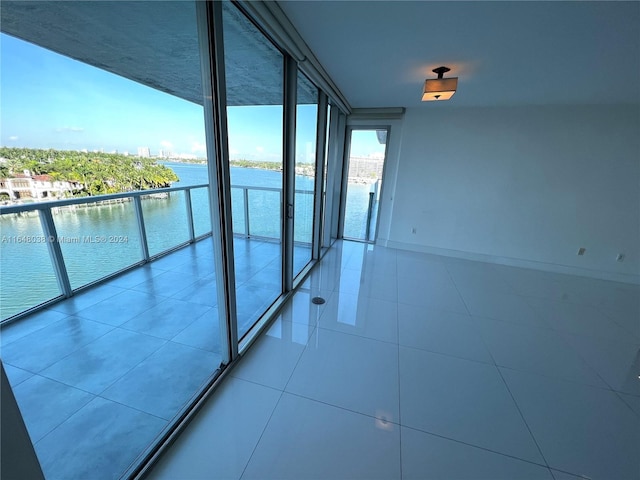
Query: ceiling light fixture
(439,88)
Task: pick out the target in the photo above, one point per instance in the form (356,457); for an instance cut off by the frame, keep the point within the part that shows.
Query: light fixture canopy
(439,88)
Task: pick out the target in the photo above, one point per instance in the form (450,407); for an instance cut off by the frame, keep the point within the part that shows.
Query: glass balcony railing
(52,249)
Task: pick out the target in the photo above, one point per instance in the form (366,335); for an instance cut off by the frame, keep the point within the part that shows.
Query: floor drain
(317,300)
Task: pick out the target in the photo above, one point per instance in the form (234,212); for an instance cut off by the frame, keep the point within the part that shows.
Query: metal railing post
(137,205)
(53,244)
(187,198)
(369,212)
(247,224)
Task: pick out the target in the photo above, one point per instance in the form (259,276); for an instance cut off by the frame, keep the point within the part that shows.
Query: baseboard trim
(516,262)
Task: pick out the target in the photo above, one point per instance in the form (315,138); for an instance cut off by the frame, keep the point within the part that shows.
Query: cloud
(70,129)
(13,138)
(198,147)
(260,149)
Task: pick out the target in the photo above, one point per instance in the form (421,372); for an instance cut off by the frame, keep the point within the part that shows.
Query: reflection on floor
(99,376)
(422,367)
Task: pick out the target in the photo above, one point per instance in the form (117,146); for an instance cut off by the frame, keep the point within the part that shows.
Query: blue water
(104,239)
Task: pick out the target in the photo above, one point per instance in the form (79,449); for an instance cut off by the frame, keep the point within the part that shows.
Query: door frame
(345,178)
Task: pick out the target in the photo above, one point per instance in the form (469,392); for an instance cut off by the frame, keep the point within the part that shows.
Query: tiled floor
(99,376)
(426,367)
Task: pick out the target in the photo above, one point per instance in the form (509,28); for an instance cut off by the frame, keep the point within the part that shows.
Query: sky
(51,101)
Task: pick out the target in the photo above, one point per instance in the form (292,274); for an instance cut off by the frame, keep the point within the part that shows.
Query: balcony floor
(98,376)
(427,367)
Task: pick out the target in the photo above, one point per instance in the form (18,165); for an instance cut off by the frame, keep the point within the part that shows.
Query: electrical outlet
(620,257)
(581,251)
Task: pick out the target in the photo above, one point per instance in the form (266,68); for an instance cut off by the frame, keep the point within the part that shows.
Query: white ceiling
(504,53)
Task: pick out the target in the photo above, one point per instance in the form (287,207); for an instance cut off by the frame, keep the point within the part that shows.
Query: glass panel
(306,133)
(201,210)
(192,171)
(97,239)
(239,206)
(165,220)
(136,349)
(27,277)
(254,70)
(262,201)
(366,161)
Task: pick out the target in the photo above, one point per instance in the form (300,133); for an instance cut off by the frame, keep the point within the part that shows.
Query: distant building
(144,152)
(366,167)
(37,187)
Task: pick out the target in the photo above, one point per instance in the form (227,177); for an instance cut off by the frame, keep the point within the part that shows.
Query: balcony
(100,375)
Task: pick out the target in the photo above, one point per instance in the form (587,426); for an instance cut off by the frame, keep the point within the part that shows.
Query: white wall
(524,186)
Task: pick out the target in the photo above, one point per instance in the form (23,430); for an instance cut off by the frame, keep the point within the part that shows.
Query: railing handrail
(26,207)
(272,189)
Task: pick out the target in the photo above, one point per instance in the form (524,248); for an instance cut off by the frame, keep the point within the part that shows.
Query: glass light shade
(439,89)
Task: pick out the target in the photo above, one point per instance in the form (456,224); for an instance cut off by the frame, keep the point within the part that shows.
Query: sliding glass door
(305,171)
(254,78)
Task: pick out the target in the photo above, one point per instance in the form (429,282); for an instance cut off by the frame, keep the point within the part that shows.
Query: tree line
(98,173)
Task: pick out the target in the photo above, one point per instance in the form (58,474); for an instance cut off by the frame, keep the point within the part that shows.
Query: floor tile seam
(138,409)
(253,382)
(457,287)
(451,355)
(636,395)
(319,326)
(15,385)
(302,352)
(455,357)
(93,395)
(341,407)
(619,395)
(559,470)
(581,302)
(595,370)
(161,299)
(552,378)
(264,429)
(513,398)
(26,320)
(399,387)
(539,319)
(165,342)
(176,334)
(90,401)
(75,349)
(584,360)
(66,420)
(540,325)
(361,296)
(194,273)
(472,445)
(202,350)
(617,339)
(622,326)
(173,340)
(152,291)
(438,309)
